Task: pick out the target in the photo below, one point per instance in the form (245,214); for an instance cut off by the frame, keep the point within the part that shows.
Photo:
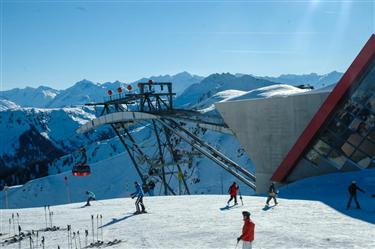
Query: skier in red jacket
(233,189)
(248,229)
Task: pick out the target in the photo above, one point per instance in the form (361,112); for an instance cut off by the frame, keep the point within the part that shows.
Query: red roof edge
(355,70)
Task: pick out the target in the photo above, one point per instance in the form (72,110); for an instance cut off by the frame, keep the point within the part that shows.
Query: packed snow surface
(279,90)
(198,221)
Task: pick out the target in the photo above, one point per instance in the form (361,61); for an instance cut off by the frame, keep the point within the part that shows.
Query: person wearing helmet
(139,202)
(90,197)
(352,189)
(232,191)
(248,229)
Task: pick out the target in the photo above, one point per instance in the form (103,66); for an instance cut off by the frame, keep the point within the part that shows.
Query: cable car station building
(318,132)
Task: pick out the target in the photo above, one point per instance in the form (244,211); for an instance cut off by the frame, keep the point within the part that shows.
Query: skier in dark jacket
(90,197)
(272,192)
(139,202)
(232,191)
(352,189)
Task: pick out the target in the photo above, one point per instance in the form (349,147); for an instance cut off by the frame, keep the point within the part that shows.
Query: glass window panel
(361,95)
(355,124)
(337,157)
(322,147)
(367,147)
(359,156)
(355,139)
(346,118)
(363,113)
(328,137)
(364,163)
(313,156)
(337,127)
(347,149)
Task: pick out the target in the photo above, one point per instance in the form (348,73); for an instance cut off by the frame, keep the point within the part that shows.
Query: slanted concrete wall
(268,128)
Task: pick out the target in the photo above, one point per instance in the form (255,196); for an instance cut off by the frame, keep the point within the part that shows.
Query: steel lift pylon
(152,106)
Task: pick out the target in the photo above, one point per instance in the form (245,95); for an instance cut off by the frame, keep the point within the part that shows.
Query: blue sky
(57,43)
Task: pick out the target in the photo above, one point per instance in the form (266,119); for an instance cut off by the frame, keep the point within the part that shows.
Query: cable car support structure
(155,107)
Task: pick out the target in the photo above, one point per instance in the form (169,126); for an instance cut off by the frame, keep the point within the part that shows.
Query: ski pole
(239,191)
(45,215)
(31,247)
(19,237)
(237,244)
(14,228)
(51,219)
(10,224)
(37,239)
(101,226)
(92,228)
(68,236)
(79,239)
(18,219)
(75,240)
(86,235)
(49,214)
(42,242)
(97,227)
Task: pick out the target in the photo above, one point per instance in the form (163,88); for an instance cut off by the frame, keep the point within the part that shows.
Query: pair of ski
(140,212)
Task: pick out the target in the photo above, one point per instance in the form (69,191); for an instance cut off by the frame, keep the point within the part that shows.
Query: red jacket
(248,230)
(233,190)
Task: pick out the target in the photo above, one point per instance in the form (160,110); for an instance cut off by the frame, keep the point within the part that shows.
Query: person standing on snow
(232,191)
(272,192)
(352,189)
(139,202)
(151,187)
(248,229)
(90,197)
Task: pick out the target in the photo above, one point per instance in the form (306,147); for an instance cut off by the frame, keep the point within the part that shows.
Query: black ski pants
(88,200)
(139,203)
(350,201)
(231,198)
(270,197)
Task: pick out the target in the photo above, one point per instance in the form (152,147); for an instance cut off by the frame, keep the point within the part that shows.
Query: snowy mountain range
(190,89)
(312,79)
(36,142)
(84,91)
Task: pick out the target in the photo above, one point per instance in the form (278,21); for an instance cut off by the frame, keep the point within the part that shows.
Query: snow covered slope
(198,221)
(30,97)
(31,137)
(80,93)
(208,105)
(7,105)
(215,83)
(112,174)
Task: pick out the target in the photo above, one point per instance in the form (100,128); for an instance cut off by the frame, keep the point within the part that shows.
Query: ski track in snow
(197,222)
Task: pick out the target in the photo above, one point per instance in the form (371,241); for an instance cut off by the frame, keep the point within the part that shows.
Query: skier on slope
(352,189)
(272,192)
(139,202)
(248,228)
(232,191)
(90,197)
